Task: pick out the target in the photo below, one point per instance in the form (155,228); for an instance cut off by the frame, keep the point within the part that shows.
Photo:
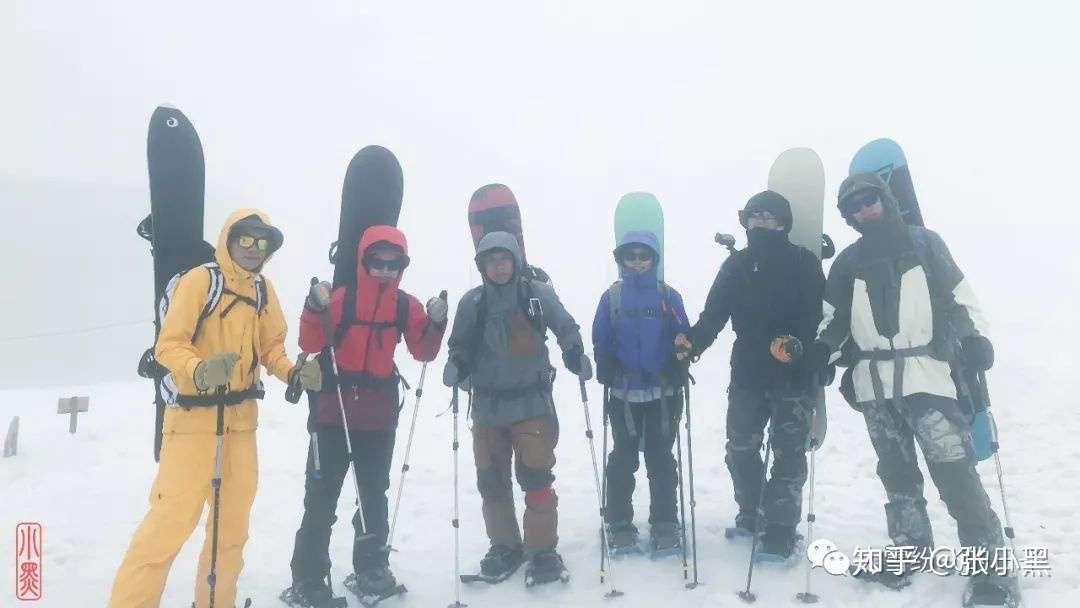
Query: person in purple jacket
(633,341)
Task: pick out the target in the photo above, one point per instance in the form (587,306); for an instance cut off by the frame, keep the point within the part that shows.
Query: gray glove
(436,310)
(309,374)
(319,296)
(215,371)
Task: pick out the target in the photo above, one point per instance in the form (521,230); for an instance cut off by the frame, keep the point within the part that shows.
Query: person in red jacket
(365,323)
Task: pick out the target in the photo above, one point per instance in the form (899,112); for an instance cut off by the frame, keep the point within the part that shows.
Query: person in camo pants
(896,309)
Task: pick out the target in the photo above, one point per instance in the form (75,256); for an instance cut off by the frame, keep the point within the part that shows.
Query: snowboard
(371,196)
(175,164)
(886,158)
(493,208)
(641,211)
(798,175)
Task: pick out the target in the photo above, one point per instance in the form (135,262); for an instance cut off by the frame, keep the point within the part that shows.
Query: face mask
(763,238)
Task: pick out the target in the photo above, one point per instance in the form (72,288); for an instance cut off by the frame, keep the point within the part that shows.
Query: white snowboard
(799,176)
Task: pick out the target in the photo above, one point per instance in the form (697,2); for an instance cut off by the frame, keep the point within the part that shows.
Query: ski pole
(807,597)
(746,595)
(682,498)
(292,395)
(408,445)
(328,331)
(219,441)
(603,484)
(1010,532)
(599,491)
(455,522)
(693,501)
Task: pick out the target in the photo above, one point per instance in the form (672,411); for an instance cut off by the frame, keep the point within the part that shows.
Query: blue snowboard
(886,158)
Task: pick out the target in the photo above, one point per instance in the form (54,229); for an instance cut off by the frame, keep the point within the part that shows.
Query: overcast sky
(570,103)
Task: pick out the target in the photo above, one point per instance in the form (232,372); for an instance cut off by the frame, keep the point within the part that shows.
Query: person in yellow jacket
(223,355)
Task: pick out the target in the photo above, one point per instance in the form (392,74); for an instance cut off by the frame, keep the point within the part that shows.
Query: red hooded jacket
(369,350)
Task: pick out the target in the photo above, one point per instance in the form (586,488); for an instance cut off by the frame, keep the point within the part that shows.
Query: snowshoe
(311,594)
(992,591)
(546,567)
(665,540)
(622,539)
(779,545)
(373,586)
(893,581)
(744,527)
(498,565)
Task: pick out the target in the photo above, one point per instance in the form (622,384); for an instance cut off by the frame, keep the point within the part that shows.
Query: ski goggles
(373,263)
(639,255)
(247,242)
(855,202)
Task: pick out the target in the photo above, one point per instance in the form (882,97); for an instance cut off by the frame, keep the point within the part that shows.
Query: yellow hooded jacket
(257,338)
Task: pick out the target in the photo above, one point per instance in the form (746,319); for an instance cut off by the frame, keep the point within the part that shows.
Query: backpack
(615,301)
(530,305)
(149,366)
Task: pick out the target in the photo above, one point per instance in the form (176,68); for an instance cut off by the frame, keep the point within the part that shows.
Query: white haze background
(571,104)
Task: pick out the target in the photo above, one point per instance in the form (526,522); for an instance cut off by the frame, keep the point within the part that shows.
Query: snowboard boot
(744,527)
(665,539)
(310,594)
(501,561)
(989,590)
(622,537)
(377,581)
(778,541)
(545,567)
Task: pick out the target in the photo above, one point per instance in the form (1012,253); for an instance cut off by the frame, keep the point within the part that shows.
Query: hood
(860,182)
(638,237)
(498,240)
(239,218)
(373,236)
(769,201)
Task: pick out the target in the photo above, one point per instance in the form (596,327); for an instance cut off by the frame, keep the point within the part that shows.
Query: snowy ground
(89,491)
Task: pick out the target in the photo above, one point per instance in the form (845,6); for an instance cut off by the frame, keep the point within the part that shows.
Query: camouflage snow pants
(788,414)
(944,436)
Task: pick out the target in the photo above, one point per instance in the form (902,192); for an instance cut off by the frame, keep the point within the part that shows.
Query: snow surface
(571,105)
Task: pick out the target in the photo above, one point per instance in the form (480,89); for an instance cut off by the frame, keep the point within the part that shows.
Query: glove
(816,357)
(575,360)
(309,374)
(605,370)
(683,347)
(215,371)
(436,310)
(978,353)
(457,370)
(786,349)
(318,296)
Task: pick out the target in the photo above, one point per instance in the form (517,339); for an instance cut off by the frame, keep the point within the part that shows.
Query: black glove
(605,370)
(571,358)
(978,353)
(464,370)
(816,356)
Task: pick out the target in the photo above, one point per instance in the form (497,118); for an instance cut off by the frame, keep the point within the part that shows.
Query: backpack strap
(348,315)
(614,300)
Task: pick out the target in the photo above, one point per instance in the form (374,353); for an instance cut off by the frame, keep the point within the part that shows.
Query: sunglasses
(764,216)
(247,242)
(855,202)
(384,265)
(636,256)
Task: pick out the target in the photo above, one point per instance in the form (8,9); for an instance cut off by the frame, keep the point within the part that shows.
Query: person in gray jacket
(497,349)
(897,311)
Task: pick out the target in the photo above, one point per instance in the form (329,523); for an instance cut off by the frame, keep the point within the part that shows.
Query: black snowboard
(371,196)
(174,159)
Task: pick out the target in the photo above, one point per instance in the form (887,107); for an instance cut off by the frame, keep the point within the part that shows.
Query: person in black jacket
(772,293)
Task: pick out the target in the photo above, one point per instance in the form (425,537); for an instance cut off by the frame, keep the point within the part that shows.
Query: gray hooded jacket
(507,357)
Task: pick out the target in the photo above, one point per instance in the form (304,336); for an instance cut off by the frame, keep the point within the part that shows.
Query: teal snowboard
(640,211)
(886,158)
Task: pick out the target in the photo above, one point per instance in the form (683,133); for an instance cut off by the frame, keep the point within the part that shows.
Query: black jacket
(766,292)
